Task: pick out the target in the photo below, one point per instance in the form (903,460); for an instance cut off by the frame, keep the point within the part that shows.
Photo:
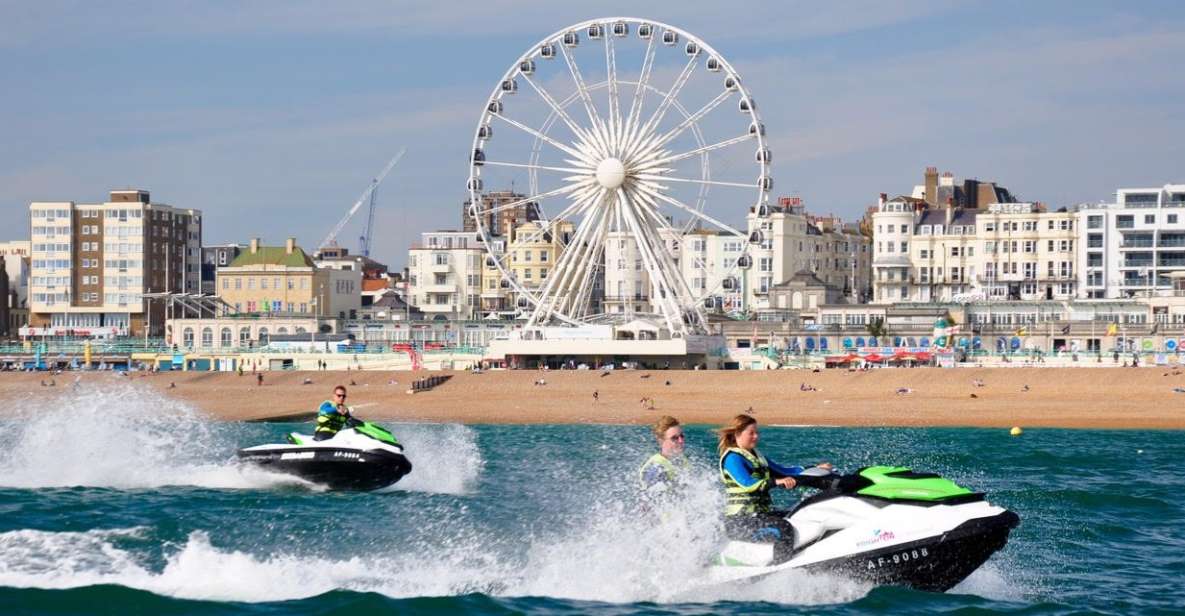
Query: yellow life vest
(747,499)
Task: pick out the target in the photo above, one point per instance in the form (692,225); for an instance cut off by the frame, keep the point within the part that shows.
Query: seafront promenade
(1120,398)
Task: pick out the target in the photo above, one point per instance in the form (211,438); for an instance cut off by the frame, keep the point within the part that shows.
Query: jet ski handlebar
(818,478)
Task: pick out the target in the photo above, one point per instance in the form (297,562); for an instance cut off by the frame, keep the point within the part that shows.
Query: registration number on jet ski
(299,455)
(898,558)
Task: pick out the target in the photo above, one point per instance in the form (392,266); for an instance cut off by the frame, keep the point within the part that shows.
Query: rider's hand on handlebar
(826,465)
(787,482)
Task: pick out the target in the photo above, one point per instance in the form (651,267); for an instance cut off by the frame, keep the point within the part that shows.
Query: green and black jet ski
(362,456)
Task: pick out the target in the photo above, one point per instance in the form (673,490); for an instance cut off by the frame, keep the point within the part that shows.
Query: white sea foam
(445,458)
(127,436)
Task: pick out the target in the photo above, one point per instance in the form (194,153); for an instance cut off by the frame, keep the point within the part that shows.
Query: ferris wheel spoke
(693,118)
(574,69)
(579,203)
(694,212)
(557,108)
(672,95)
(643,82)
(536,167)
(614,101)
(554,290)
(537,197)
(538,135)
(648,240)
(667,178)
(700,150)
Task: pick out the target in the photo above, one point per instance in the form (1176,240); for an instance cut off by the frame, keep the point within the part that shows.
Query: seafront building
(791,241)
(445,273)
(529,252)
(216,256)
(1131,247)
(16,273)
(92,264)
(284,280)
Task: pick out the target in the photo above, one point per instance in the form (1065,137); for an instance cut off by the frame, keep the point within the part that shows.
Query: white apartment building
(708,260)
(444,275)
(1006,251)
(1129,248)
(790,241)
(627,283)
(91,264)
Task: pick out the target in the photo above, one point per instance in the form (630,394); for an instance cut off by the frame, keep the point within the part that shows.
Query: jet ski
(362,456)
(887,525)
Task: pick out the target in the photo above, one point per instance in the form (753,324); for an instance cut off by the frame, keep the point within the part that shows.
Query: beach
(1111,398)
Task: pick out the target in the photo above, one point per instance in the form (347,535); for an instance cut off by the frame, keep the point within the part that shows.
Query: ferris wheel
(628,134)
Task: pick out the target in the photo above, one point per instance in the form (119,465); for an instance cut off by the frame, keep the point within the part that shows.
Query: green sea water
(115,501)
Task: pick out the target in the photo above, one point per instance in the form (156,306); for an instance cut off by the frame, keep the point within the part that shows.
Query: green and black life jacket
(329,421)
(752,499)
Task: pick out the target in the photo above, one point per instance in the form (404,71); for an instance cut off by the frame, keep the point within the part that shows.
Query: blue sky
(272,116)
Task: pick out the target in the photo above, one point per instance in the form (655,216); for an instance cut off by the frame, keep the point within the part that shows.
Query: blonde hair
(664,423)
(728,434)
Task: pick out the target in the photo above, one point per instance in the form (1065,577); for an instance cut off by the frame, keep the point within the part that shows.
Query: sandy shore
(1061,397)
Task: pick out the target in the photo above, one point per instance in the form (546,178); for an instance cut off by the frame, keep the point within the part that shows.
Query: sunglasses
(678,437)
(339,395)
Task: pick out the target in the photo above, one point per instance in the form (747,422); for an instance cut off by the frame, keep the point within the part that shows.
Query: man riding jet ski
(882,524)
(343,453)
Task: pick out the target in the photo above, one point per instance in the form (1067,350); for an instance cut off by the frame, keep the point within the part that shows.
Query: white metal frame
(618,172)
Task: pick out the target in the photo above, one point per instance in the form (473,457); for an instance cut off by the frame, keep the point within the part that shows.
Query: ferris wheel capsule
(729,283)
(714,64)
(474,184)
(746,105)
(479,158)
(621,28)
(522,302)
(745,262)
(756,129)
(764,155)
(670,37)
(495,107)
(756,237)
(595,32)
(490,262)
(485,131)
(767,183)
(526,67)
(692,49)
(763,211)
(547,51)
(571,39)
(731,83)
(509,86)
(645,31)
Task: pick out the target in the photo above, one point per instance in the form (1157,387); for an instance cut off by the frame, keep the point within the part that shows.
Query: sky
(272,116)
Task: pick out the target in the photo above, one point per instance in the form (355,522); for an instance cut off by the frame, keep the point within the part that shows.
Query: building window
(1149,219)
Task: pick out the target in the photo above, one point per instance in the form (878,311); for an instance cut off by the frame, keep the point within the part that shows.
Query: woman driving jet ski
(748,478)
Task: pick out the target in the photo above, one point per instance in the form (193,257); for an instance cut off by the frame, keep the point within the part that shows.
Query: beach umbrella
(922,356)
(873,357)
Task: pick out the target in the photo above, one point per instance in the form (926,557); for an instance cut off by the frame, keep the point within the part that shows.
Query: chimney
(931,195)
(881,202)
(289,245)
(254,245)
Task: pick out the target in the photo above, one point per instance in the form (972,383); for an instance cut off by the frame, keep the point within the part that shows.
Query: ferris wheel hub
(611,173)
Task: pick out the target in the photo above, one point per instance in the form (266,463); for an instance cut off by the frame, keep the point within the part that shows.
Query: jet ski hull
(934,564)
(335,468)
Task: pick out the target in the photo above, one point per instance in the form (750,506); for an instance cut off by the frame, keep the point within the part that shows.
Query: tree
(877,329)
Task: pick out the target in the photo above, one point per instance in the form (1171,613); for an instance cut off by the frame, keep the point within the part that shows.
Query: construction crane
(368,194)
